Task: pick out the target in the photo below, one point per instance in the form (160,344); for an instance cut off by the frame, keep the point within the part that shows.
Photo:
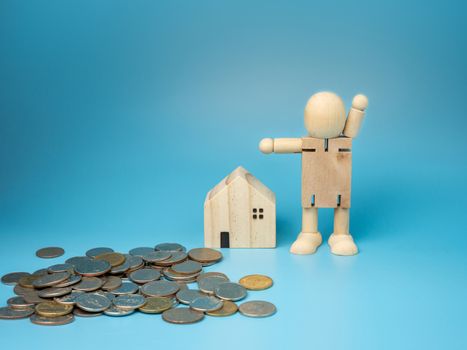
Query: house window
(255,213)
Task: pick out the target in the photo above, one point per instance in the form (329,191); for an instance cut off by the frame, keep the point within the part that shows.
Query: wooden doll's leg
(309,239)
(341,242)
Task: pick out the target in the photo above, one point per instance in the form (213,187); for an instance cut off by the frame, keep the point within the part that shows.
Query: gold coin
(256,282)
(26,281)
(156,305)
(229,308)
(114,259)
(53,309)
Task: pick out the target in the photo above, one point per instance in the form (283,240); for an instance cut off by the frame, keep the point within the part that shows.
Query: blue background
(118,116)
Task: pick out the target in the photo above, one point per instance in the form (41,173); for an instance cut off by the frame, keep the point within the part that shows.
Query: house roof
(244,175)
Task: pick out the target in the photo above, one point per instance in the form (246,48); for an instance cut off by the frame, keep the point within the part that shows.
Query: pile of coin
(149,280)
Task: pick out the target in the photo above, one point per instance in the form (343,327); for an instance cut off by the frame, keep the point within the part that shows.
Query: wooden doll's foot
(306,243)
(342,244)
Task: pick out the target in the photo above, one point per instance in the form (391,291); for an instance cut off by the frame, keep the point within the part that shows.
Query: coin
(53,309)
(205,255)
(50,252)
(98,251)
(140,251)
(134,261)
(208,284)
(229,308)
(125,288)
(170,247)
(108,295)
(256,308)
(116,311)
(175,258)
(73,279)
(256,282)
(156,305)
(187,267)
(111,282)
(20,290)
(50,280)
(144,275)
(77,260)
(114,259)
(210,274)
(60,268)
(206,303)
(230,291)
(52,321)
(186,296)
(92,267)
(121,268)
(13,277)
(18,303)
(88,284)
(153,256)
(69,299)
(182,315)
(92,302)
(174,276)
(33,297)
(129,301)
(41,272)
(27,281)
(160,288)
(53,292)
(9,313)
(81,313)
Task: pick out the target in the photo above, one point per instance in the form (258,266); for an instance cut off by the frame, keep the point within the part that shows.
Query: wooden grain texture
(245,208)
(326,173)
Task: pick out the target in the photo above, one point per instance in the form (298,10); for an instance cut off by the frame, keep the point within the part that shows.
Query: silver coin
(13,277)
(69,299)
(144,275)
(77,260)
(182,315)
(92,302)
(170,247)
(177,257)
(19,303)
(50,252)
(126,288)
(40,272)
(60,268)
(50,280)
(111,283)
(116,312)
(52,321)
(129,301)
(208,284)
(92,253)
(134,261)
(53,292)
(73,279)
(81,313)
(173,276)
(230,291)
(160,288)
(92,267)
(140,251)
(88,284)
(187,267)
(257,308)
(186,296)
(211,274)
(206,304)
(153,257)
(121,268)
(108,295)
(8,313)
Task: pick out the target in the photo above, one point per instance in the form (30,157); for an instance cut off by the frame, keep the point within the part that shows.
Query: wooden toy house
(240,212)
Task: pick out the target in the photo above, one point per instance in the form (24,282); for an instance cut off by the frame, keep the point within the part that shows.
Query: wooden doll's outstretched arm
(355,117)
(281,145)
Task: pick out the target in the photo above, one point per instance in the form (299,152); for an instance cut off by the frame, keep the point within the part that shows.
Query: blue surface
(118,117)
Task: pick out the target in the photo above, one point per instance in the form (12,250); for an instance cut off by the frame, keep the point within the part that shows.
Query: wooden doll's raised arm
(355,117)
(289,145)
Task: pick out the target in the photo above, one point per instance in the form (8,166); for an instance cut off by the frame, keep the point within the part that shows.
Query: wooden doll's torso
(326,172)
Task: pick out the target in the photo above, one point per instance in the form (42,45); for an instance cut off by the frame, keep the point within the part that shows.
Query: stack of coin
(149,280)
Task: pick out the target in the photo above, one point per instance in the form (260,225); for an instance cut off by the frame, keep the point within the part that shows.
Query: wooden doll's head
(324,115)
